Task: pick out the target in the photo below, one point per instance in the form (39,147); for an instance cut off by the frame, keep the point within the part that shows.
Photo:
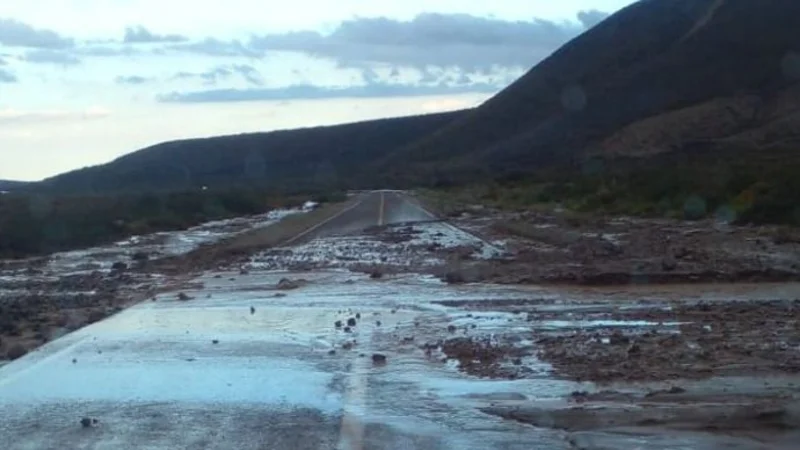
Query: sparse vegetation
(39,224)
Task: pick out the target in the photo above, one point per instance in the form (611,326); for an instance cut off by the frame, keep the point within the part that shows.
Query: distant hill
(8,185)
(659,75)
(289,160)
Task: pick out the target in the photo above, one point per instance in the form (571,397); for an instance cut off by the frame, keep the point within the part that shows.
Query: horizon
(75,96)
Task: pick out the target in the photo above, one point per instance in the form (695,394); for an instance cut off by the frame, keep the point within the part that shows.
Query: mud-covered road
(347,337)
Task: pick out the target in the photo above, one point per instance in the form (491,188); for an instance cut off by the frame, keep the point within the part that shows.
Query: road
(370,209)
(245,366)
(210,374)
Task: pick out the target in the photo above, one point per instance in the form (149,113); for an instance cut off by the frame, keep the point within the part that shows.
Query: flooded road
(327,357)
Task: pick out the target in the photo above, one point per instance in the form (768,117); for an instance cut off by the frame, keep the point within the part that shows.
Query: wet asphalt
(245,366)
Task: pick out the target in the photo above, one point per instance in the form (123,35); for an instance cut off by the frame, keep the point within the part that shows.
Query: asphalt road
(370,209)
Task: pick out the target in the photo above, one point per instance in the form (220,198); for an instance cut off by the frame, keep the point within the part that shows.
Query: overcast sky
(85,81)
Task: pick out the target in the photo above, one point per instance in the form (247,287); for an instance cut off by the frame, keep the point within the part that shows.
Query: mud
(564,248)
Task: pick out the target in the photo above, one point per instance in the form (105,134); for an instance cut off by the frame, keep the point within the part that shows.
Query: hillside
(289,160)
(8,185)
(658,75)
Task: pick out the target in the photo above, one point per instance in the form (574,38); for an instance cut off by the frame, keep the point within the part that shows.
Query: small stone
(451,328)
(286,284)
(74,361)
(378,359)
(676,390)
(351,322)
(347,346)
(243,271)
(346,329)
(331,352)
(377,323)
(358,316)
(252,310)
(215,341)
(182,296)
(338,324)
(87,422)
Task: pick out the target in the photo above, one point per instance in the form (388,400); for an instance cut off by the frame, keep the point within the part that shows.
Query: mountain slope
(289,160)
(651,58)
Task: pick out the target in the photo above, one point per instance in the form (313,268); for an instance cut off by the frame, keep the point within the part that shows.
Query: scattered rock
(87,422)
(347,346)
(378,359)
(252,310)
(287,284)
(243,271)
(358,316)
(617,338)
(279,295)
(217,276)
(331,352)
(676,390)
(377,323)
(215,341)
(376,274)
(351,322)
(119,266)
(346,329)
(182,296)
(74,361)
(338,324)
(451,328)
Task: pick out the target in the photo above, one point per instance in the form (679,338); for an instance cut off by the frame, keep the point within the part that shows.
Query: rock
(16,351)
(74,361)
(669,263)
(358,316)
(376,274)
(617,338)
(676,390)
(347,346)
(119,265)
(86,422)
(451,328)
(243,271)
(338,324)
(182,296)
(454,277)
(215,341)
(252,310)
(378,359)
(377,323)
(287,284)
(279,295)
(96,315)
(217,276)
(331,352)
(140,256)
(351,322)
(346,329)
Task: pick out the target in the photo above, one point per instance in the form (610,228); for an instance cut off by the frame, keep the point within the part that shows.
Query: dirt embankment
(565,248)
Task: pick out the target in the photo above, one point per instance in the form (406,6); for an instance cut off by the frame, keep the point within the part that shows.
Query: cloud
(132,79)
(213,76)
(468,42)
(9,115)
(99,50)
(14,33)
(591,17)
(141,35)
(216,47)
(7,77)
(307,91)
(47,56)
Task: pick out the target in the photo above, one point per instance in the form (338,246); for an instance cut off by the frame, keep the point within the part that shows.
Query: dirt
(565,248)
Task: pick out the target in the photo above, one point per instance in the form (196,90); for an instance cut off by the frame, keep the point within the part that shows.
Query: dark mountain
(640,71)
(289,160)
(658,77)
(9,185)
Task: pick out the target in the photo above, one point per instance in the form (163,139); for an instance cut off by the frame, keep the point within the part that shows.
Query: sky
(85,81)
